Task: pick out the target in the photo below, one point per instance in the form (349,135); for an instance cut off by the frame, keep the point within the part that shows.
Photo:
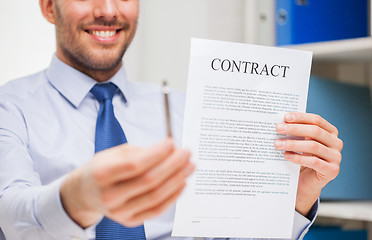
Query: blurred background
(337,32)
(160,48)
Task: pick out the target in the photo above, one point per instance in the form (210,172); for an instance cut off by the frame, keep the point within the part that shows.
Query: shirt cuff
(302,224)
(52,216)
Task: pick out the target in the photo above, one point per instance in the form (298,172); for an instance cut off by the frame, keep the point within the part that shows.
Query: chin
(102,62)
(93,59)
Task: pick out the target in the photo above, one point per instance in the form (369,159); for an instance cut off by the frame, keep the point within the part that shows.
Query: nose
(106,9)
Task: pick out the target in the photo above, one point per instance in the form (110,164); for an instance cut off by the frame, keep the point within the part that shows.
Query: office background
(160,48)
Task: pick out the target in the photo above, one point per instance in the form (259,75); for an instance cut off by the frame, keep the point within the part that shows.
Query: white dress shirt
(47,129)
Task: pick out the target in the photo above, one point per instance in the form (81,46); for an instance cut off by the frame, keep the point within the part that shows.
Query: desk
(349,215)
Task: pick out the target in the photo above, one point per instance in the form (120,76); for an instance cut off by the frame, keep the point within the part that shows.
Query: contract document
(236,94)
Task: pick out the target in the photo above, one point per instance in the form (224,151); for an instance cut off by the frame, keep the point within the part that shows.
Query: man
(52,184)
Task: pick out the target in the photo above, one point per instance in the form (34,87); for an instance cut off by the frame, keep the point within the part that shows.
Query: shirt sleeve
(28,209)
(302,224)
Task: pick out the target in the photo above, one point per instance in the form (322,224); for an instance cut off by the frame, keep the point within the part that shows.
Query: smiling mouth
(103,34)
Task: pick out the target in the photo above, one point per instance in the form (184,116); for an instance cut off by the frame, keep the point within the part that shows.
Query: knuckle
(133,166)
(341,144)
(182,158)
(107,198)
(159,153)
(314,147)
(338,157)
(317,119)
(149,179)
(315,162)
(155,197)
(316,131)
(99,175)
(335,131)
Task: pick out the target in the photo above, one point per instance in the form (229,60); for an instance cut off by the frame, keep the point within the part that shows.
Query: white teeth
(103,34)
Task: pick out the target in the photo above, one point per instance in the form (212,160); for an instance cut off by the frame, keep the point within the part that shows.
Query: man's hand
(319,154)
(126,183)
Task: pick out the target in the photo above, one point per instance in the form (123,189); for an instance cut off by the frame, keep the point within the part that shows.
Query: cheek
(130,10)
(76,13)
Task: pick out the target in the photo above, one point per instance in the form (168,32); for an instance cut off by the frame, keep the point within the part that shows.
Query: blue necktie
(109,134)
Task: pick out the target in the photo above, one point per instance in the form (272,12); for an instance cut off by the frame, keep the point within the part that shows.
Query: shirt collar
(75,85)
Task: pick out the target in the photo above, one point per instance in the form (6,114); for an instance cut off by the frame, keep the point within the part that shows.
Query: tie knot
(104,91)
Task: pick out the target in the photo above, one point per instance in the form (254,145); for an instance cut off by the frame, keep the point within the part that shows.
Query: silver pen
(165,91)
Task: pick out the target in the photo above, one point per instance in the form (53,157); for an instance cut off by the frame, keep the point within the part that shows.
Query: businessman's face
(94,34)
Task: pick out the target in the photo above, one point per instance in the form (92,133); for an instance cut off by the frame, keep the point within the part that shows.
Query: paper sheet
(236,94)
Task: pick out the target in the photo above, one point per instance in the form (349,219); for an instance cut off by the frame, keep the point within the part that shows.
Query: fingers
(159,195)
(311,131)
(174,169)
(125,161)
(158,209)
(154,201)
(328,170)
(153,212)
(139,182)
(310,118)
(320,151)
(321,148)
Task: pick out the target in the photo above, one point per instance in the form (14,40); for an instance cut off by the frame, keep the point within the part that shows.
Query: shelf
(349,210)
(357,49)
